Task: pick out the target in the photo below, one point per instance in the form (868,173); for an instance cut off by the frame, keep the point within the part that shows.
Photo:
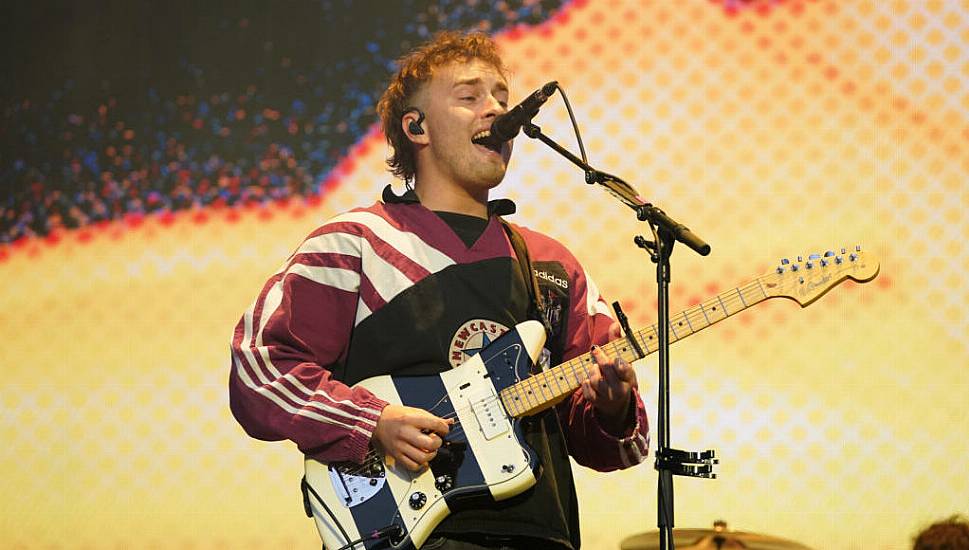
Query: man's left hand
(609,387)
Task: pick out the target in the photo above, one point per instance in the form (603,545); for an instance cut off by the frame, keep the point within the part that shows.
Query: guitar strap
(536,308)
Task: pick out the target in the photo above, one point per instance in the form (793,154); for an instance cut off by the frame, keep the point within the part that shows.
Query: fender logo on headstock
(815,284)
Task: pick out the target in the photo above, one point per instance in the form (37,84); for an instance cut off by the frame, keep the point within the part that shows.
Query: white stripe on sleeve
(593,302)
(268,393)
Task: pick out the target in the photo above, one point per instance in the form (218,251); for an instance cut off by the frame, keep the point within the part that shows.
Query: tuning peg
(800,259)
(780,270)
(794,267)
(785,261)
(824,263)
(857,248)
(829,253)
(843,251)
(838,259)
(814,257)
(853,257)
(809,264)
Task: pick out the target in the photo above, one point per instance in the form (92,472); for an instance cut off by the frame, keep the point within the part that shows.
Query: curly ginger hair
(416,68)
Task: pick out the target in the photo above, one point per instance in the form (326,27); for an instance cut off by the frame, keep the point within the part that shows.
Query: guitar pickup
(490,414)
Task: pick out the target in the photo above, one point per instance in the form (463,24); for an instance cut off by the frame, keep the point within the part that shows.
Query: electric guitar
(378,504)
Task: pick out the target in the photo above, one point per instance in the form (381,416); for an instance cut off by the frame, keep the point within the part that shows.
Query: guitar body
(484,456)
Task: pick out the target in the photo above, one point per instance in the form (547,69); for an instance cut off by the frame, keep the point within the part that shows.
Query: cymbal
(718,538)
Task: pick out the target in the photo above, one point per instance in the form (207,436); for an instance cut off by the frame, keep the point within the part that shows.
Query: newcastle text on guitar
(484,458)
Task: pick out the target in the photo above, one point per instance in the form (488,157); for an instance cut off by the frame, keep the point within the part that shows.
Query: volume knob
(417,500)
(443,483)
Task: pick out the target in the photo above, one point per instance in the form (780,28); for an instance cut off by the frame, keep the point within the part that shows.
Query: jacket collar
(497,207)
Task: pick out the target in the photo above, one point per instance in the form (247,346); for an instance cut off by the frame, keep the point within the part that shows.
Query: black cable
(306,486)
(575,125)
(385,532)
(391,531)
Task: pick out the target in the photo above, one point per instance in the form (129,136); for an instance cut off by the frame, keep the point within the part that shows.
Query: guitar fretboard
(543,390)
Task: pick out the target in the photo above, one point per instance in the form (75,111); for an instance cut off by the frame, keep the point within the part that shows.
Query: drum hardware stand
(666,231)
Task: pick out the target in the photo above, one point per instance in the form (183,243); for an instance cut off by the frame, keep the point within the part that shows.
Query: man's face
(461,100)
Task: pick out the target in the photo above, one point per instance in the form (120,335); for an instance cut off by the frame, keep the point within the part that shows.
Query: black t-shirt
(469,228)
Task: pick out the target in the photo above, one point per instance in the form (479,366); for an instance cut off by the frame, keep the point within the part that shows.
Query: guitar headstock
(809,278)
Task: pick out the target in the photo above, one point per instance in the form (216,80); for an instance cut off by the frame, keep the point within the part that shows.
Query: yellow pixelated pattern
(772,129)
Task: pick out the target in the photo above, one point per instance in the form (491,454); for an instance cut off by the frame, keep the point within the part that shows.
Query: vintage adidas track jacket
(391,289)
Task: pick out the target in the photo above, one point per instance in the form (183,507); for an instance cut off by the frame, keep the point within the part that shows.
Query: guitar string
(732,297)
(454,435)
(696,313)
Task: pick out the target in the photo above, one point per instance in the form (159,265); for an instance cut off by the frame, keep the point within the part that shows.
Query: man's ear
(412,125)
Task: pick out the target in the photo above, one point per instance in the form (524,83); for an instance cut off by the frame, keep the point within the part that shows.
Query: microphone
(507,126)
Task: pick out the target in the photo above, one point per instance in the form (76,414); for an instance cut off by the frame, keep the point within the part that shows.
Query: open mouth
(484,139)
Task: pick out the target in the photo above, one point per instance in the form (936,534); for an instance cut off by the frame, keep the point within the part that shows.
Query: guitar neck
(543,390)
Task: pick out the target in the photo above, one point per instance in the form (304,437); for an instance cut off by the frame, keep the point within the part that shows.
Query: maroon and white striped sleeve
(280,386)
(589,443)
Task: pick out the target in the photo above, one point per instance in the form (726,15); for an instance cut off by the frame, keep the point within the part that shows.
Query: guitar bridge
(357,483)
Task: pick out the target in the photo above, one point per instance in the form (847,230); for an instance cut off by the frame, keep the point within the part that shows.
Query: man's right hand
(410,436)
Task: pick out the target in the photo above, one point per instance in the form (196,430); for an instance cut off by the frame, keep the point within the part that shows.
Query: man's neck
(452,198)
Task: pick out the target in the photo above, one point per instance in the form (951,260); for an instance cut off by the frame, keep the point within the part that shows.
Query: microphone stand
(666,232)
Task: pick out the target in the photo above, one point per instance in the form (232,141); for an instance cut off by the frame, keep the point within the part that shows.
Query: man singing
(414,285)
